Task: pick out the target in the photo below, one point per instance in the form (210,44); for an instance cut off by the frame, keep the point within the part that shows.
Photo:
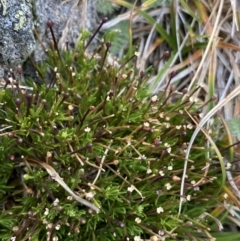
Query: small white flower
(196,188)
(15,228)
(13,238)
(161,232)
(154,98)
(70,198)
(137,54)
(90,195)
(154,238)
(57,227)
(170,168)
(56,202)
(225,195)
(131,188)
(168,186)
(46,211)
(144,157)
(146,124)
(55,238)
(87,129)
(137,238)
(149,171)
(189,197)
(228,165)
(124,76)
(44,221)
(178,127)
(70,107)
(160,210)
(49,225)
(161,115)
(167,124)
(191,99)
(193,182)
(183,199)
(190,126)
(169,149)
(138,220)
(161,173)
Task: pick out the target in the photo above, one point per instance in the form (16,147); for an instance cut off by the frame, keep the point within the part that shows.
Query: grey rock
(69,17)
(16,33)
(17,18)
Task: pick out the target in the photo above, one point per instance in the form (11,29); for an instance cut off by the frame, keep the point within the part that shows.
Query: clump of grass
(91,154)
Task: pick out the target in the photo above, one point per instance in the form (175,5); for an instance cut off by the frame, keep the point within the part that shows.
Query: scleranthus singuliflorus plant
(92,131)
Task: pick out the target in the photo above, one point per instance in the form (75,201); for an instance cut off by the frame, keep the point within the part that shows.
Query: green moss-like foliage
(94,123)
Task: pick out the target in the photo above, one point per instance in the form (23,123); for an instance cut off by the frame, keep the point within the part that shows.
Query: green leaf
(159,78)
(229,236)
(112,35)
(105,7)
(234,127)
(169,39)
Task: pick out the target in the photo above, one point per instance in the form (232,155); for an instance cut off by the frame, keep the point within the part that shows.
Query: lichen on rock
(17,18)
(16,33)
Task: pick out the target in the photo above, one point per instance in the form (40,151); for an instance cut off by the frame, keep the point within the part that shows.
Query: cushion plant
(90,154)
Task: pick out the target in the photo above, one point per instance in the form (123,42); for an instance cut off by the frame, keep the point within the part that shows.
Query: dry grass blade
(206,53)
(198,129)
(235,18)
(55,176)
